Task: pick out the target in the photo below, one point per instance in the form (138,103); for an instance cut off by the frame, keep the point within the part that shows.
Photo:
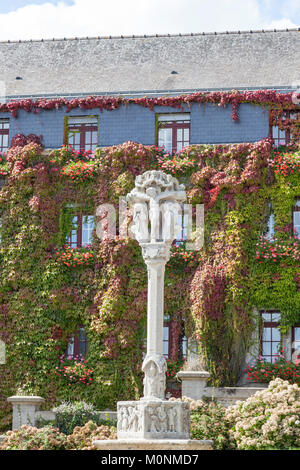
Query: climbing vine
(47,289)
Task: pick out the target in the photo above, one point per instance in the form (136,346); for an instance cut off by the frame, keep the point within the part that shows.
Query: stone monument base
(153,444)
(152,418)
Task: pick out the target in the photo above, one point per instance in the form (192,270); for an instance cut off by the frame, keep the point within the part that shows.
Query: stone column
(24,409)
(154,364)
(153,422)
(155,200)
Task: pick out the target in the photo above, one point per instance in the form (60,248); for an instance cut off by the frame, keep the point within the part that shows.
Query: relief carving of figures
(134,416)
(162,415)
(155,189)
(154,424)
(172,419)
(123,420)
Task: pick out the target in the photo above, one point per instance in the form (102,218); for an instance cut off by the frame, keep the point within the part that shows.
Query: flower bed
(74,257)
(264,371)
(285,163)
(276,249)
(75,370)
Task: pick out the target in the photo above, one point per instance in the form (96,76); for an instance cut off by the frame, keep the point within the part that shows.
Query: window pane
(166,333)
(184,346)
(297,333)
(70,350)
(275,132)
(266,316)
(72,239)
(82,120)
(267,334)
(165,139)
(174,117)
(275,348)
(266,349)
(271,227)
(276,317)
(275,334)
(87,229)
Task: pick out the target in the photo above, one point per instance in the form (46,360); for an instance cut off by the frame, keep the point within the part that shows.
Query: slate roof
(152,64)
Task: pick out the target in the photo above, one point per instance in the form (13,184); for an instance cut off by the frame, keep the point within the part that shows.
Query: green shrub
(82,437)
(31,438)
(270,419)
(70,415)
(208,421)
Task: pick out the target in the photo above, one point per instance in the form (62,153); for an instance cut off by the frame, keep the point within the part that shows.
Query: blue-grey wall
(209,124)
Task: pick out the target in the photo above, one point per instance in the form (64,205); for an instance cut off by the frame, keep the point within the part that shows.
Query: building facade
(170,92)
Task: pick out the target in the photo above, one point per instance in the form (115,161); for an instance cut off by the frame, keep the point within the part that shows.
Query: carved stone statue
(156,189)
(155,377)
(155,201)
(141,221)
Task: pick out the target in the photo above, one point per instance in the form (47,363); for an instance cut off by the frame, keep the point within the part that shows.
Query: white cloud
(116,17)
(280,24)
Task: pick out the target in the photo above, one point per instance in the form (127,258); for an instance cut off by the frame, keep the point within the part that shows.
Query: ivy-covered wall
(47,290)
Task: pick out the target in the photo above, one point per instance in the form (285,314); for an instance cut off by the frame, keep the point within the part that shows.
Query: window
(296,218)
(182,223)
(296,343)
(81,234)
(270,335)
(173,131)
(167,338)
(78,343)
(184,344)
(271,227)
(282,137)
(4,134)
(82,132)
(271,224)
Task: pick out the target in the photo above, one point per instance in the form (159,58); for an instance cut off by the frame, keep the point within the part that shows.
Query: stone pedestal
(193,383)
(153,419)
(155,444)
(24,409)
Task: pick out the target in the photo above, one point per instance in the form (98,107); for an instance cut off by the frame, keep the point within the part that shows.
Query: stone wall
(228,396)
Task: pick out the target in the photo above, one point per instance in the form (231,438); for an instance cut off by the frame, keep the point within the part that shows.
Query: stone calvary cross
(153,422)
(155,200)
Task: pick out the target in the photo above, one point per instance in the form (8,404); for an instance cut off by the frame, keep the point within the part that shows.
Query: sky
(44,19)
